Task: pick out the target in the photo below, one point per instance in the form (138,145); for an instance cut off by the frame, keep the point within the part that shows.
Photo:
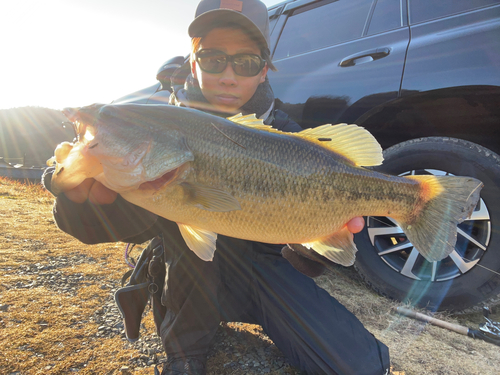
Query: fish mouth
(160,182)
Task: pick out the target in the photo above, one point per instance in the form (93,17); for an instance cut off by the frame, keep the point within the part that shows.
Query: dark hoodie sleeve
(91,223)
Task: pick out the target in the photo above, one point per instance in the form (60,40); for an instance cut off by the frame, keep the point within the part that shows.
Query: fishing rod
(488,331)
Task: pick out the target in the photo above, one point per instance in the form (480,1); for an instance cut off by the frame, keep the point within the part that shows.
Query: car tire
(467,279)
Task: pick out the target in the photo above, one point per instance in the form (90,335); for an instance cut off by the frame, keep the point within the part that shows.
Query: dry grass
(44,330)
(416,348)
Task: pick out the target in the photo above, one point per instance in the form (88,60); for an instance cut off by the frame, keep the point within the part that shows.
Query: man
(246,281)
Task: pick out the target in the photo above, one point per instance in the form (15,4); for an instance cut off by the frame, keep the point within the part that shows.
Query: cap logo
(236,5)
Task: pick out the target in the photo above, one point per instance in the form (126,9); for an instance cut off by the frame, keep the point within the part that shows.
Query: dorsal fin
(251,121)
(351,141)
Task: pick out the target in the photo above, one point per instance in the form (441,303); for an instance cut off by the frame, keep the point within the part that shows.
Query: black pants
(250,282)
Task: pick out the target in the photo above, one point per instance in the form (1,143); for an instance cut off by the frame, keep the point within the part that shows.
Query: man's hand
(92,190)
(356,225)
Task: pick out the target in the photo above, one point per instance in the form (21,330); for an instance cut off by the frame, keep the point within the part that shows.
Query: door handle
(375,54)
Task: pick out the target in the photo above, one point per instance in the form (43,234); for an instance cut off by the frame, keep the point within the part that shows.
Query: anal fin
(339,247)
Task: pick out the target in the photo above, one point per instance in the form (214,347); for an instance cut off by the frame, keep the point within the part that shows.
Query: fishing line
(486,268)
(232,140)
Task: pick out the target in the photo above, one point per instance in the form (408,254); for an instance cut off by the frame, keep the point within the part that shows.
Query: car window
(386,16)
(314,27)
(423,10)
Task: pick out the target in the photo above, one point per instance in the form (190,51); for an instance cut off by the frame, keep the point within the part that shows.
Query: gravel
(51,275)
(259,357)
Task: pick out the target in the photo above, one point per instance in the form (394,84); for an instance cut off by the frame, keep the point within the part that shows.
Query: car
(424,78)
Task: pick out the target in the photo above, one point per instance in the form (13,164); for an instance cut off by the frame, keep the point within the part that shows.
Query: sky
(70,53)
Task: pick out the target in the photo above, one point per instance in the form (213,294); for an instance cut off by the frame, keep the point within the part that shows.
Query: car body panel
(315,89)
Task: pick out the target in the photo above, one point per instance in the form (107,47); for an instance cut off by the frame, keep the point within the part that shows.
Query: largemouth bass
(240,178)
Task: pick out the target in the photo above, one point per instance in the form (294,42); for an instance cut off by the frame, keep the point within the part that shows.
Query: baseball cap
(249,14)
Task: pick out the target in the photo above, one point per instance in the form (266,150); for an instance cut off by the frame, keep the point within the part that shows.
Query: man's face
(227,91)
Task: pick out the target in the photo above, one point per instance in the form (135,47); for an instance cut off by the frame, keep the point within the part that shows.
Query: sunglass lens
(213,63)
(246,65)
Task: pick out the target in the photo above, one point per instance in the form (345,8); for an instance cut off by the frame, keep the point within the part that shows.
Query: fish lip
(161,181)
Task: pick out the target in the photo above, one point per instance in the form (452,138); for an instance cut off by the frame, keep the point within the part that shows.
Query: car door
(338,59)
(453,69)
(453,44)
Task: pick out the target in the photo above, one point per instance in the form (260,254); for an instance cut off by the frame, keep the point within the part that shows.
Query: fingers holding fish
(92,190)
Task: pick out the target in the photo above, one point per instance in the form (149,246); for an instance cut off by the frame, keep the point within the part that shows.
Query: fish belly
(282,207)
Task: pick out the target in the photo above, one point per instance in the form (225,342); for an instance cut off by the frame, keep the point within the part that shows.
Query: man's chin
(230,110)
(226,104)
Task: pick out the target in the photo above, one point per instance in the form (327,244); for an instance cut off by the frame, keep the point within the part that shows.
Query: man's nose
(228,77)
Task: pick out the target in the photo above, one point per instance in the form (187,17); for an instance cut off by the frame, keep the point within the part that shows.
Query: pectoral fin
(209,199)
(338,248)
(200,241)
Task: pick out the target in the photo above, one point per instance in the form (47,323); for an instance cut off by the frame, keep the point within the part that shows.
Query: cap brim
(218,18)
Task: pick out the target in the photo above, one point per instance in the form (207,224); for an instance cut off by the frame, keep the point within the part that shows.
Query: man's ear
(263,73)
(193,69)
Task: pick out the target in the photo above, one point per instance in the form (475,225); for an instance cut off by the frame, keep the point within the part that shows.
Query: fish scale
(270,191)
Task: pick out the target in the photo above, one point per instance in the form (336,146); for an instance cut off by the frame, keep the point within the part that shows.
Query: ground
(57,314)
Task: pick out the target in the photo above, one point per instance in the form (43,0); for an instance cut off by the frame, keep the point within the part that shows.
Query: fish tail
(444,202)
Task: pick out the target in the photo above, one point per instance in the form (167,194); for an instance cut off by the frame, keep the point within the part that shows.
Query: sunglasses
(243,64)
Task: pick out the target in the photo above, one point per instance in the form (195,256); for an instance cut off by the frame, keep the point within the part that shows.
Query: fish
(240,178)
